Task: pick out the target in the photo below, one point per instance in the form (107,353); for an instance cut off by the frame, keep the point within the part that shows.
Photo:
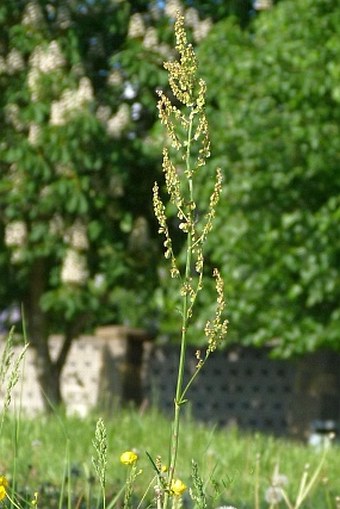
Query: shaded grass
(55,450)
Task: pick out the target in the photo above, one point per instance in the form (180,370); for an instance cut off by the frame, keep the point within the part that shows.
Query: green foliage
(275,129)
(69,162)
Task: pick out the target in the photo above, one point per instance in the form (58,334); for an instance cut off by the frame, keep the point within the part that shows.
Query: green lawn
(51,454)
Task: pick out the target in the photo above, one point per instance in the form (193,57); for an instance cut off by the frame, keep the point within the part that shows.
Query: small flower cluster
(33,15)
(71,102)
(74,269)
(116,124)
(14,62)
(43,60)
(47,59)
(15,239)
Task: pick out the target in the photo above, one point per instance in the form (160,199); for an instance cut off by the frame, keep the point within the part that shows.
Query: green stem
(185,307)
(195,374)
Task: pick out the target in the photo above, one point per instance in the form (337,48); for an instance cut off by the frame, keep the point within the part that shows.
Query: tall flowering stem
(187,129)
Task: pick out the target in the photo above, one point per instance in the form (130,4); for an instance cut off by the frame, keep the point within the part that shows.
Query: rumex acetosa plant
(186,124)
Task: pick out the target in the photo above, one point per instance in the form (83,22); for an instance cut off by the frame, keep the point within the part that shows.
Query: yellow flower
(128,458)
(2,492)
(3,486)
(178,487)
(3,481)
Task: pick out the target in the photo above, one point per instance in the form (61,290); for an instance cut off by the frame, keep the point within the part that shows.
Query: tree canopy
(78,81)
(274,105)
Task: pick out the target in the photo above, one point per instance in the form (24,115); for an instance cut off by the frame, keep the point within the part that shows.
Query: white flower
(70,102)
(63,18)
(202,29)
(150,40)
(15,234)
(191,17)
(15,61)
(117,123)
(56,225)
(33,78)
(273,495)
(32,15)
(74,268)
(12,116)
(103,113)
(172,7)
(261,5)
(130,91)
(85,90)
(76,236)
(34,133)
(136,26)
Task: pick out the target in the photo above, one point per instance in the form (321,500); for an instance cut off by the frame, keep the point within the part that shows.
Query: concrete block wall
(238,386)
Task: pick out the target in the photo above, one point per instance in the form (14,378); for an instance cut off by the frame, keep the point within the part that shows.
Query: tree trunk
(48,370)
(48,373)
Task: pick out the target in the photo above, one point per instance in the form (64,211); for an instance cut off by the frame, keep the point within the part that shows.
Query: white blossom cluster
(262,5)
(200,29)
(12,116)
(13,63)
(34,134)
(63,17)
(47,59)
(76,236)
(118,122)
(43,60)
(33,15)
(70,102)
(103,113)
(56,225)
(150,40)
(15,234)
(172,7)
(136,26)
(74,269)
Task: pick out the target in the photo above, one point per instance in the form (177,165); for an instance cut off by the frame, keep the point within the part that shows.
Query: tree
(74,226)
(78,241)
(274,103)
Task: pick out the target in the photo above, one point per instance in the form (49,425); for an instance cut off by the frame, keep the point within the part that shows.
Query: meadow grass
(56,450)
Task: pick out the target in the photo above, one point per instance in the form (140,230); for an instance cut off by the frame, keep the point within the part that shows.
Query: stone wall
(238,386)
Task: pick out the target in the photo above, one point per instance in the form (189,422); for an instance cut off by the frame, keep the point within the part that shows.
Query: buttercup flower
(178,487)
(128,458)
(3,486)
